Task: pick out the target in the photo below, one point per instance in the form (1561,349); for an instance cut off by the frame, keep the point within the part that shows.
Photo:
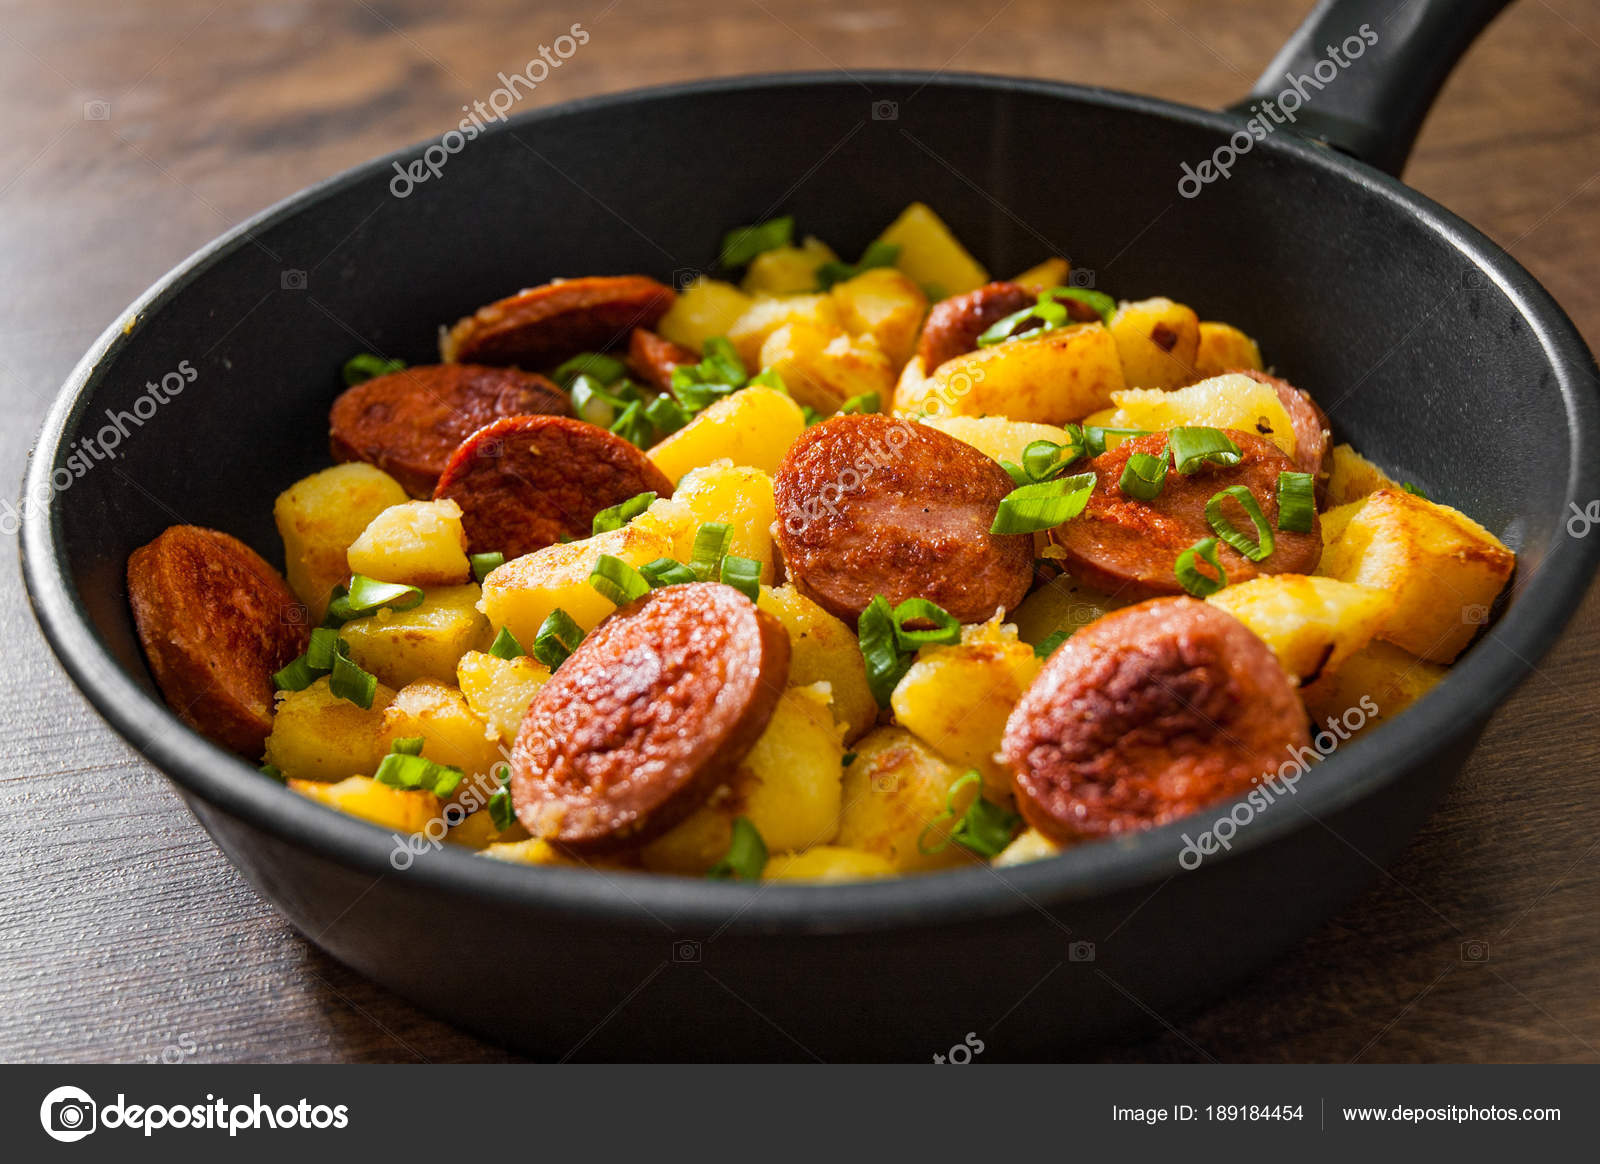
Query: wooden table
(126,936)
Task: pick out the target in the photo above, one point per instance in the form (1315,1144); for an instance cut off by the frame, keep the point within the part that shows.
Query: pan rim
(1481,680)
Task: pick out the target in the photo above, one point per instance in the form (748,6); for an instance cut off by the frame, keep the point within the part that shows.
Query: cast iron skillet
(1434,352)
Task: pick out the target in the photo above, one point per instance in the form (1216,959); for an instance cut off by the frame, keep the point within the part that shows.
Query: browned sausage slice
(1312,433)
(652,358)
(215,621)
(526,482)
(655,709)
(408,423)
(1147,715)
(954,325)
(545,325)
(1129,547)
(873,505)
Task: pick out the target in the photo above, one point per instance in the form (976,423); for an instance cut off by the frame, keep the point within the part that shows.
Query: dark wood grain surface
(125,936)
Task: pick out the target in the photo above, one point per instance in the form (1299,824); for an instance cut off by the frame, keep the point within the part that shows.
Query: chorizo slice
(1129,548)
(526,482)
(544,325)
(871,505)
(1312,433)
(954,325)
(215,621)
(1147,715)
(655,709)
(653,358)
(409,422)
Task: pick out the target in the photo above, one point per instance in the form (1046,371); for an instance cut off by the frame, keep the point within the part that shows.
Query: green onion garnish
(324,647)
(743,243)
(1042,460)
(877,254)
(412,773)
(1195,446)
(888,645)
(1043,505)
(558,636)
(592,403)
(667,572)
(500,810)
(946,629)
(601,368)
(1103,304)
(1144,475)
(811,415)
(618,581)
(1189,575)
(1006,329)
(743,574)
(505,645)
(349,681)
(1046,646)
(272,771)
(1297,509)
(634,427)
(719,373)
(665,415)
(985,828)
(360,369)
(866,402)
(1415,490)
(710,547)
(1047,314)
(1258,549)
(746,856)
(366,595)
(484,564)
(408,745)
(1094,436)
(617,516)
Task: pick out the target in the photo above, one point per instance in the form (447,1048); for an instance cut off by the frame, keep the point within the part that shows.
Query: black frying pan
(1433,351)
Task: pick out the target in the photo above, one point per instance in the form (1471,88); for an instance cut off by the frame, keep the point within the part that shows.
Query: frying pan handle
(1372,104)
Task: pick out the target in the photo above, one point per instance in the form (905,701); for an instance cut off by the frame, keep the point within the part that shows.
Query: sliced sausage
(653,358)
(1147,715)
(655,710)
(408,423)
(215,621)
(872,505)
(1312,434)
(545,325)
(526,482)
(1129,548)
(954,325)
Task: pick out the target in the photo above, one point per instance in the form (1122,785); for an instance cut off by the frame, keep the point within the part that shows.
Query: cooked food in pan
(843,571)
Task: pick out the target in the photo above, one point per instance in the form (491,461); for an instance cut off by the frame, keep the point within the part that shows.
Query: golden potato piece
(753,427)
(405,810)
(401,646)
(1157,341)
(895,793)
(451,731)
(420,543)
(1057,377)
(824,369)
(1030,845)
(827,863)
(1312,624)
(1052,272)
(499,690)
(740,496)
(885,304)
(317,735)
(748,334)
(1062,604)
(1352,477)
(822,649)
(319,517)
(1223,348)
(1375,684)
(1232,401)
(995,436)
(705,309)
(930,254)
(787,270)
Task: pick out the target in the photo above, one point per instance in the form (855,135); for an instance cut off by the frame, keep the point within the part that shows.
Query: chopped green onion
(743,243)
(500,810)
(1415,490)
(1144,475)
(1019,475)
(1046,646)
(617,516)
(484,564)
(877,254)
(592,403)
(946,629)
(866,402)
(811,415)
(1103,304)
(847,759)
(1043,505)
(1049,313)
(296,676)
(1005,329)
(746,856)
(505,645)
(743,574)
(986,828)
(272,771)
(558,636)
(1189,575)
(602,368)
(349,681)
(413,773)
(1256,550)
(1094,437)
(633,426)
(710,547)
(719,373)
(667,572)
(408,745)
(366,595)
(1297,508)
(767,378)
(359,369)
(886,664)
(324,647)
(1194,447)
(618,581)
(1042,460)
(665,415)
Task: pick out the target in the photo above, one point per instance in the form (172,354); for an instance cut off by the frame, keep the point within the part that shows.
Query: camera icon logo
(295,614)
(684,278)
(1473,279)
(1081,277)
(686,950)
(292,280)
(97,111)
(1475,951)
(1080,952)
(1475,615)
(68,1114)
(885,111)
